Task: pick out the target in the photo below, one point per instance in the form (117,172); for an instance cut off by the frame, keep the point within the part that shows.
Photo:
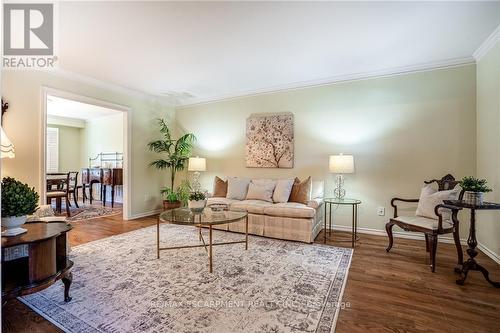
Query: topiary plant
(18,199)
(472,184)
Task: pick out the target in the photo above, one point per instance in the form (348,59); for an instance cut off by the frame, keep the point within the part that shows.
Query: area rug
(89,212)
(275,286)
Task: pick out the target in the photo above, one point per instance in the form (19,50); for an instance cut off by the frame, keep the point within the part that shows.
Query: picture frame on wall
(270,140)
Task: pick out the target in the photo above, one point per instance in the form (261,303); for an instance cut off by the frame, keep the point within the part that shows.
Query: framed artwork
(270,140)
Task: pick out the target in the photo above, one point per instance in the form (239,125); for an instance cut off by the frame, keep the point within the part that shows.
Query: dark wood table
(36,259)
(471,263)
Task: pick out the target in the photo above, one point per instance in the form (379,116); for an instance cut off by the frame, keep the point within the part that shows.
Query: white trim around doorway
(127,130)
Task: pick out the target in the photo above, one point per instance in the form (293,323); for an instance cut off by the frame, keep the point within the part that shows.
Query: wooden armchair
(430,227)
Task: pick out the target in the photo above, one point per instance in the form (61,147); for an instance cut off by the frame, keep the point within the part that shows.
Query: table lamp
(7,146)
(197,164)
(341,164)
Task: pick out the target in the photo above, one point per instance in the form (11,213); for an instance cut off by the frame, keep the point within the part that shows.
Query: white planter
(197,205)
(12,224)
(474,198)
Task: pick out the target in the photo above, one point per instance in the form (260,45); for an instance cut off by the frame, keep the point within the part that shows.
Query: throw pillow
(430,198)
(282,190)
(220,188)
(261,190)
(237,188)
(301,191)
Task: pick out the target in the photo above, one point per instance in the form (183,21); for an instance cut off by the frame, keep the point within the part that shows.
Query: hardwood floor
(385,292)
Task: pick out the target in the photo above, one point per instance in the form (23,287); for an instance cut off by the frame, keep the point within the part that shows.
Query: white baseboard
(145,214)
(489,253)
(399,234)
(418,236)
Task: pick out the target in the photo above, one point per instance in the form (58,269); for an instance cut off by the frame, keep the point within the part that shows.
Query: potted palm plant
(474,190)
(18,201)
(175,155)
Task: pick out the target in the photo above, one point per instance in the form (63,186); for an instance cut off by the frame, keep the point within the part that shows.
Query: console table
(36,259)
(471,263)
(104,176)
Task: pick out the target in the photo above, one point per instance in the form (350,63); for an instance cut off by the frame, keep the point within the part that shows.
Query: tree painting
(270,141)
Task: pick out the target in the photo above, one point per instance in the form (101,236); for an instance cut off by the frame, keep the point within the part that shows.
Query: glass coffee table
(205,219)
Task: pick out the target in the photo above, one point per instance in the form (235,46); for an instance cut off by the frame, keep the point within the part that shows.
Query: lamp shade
(7,146)
(197,164)
(342,163)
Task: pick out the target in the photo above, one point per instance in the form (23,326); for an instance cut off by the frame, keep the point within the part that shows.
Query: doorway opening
(84,156)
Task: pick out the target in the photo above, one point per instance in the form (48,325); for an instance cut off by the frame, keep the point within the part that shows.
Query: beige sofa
(289,220)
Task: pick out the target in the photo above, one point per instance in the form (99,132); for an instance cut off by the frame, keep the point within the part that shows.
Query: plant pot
(197,205)
(474,198)
(167,205)
(12,225)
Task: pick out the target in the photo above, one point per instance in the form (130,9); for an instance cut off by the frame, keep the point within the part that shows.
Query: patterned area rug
(88,212)
(276,286)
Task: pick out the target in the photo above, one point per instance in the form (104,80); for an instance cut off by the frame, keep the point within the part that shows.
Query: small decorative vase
(197,205)
(474,198)
(12,225)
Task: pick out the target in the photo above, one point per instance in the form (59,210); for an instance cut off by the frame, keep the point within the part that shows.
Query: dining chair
(62,191)
(73,186)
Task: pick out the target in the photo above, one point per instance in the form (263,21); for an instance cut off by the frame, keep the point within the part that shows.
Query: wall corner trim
(487,45)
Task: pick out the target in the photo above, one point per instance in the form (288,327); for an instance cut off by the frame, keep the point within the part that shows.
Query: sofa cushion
(290,209)
(261,191)
(423,222)
(237,188)
(252,206)
(283,190)
(220,201)
(220,187)
(301,191)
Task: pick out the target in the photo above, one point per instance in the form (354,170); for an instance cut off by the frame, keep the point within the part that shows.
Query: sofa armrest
(315,203)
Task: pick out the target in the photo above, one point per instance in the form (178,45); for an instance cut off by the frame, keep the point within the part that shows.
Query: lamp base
(339,191)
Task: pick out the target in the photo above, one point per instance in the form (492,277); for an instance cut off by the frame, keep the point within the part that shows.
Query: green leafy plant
(176,153)
(18,199)
(196,196)
(473,184)
(181,193)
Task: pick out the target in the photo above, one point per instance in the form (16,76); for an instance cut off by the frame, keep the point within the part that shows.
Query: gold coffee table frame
(205,219)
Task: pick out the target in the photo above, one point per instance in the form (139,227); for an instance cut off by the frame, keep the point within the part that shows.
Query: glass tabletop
(206,217)
(343,201)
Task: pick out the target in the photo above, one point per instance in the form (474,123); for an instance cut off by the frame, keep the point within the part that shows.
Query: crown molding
(112,87)
(487,45)
(333,80)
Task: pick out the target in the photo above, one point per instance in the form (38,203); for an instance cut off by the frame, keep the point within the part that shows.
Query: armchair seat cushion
(290,209)
(423,222)
(56,194)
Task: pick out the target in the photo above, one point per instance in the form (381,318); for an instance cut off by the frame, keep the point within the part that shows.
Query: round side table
(344,201)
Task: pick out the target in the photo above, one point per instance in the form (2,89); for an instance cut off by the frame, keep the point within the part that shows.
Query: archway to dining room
(84,157)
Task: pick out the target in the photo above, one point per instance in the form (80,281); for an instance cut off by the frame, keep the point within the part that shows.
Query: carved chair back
(448,182)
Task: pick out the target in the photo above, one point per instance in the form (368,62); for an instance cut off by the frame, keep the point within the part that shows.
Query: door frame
(127,144)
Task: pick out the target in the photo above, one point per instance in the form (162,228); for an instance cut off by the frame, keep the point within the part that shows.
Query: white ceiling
(61,107)
(211,50)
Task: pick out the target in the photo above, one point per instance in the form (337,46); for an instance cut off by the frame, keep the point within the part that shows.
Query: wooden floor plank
(386,292)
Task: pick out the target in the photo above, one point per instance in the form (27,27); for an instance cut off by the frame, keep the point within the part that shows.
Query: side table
(471,263)
(344,201)
(36,259)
